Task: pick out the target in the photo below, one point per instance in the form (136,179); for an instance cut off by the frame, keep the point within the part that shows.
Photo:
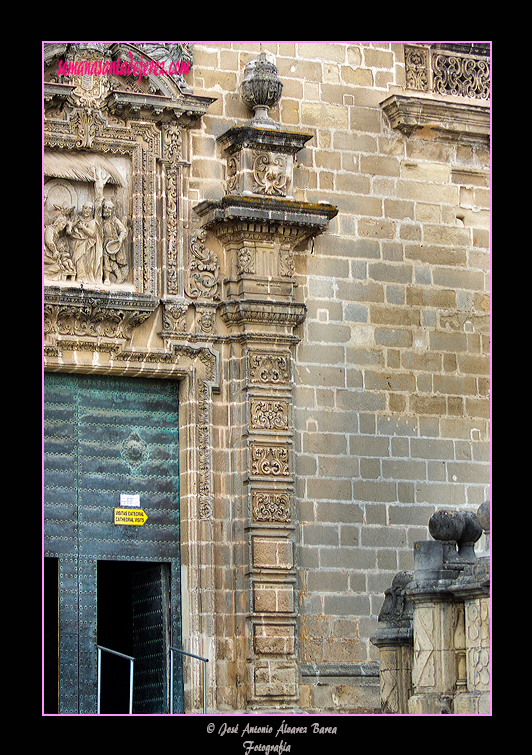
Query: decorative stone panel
(271,507)
(269,368)
(449,69)
(270,461)
(269,413)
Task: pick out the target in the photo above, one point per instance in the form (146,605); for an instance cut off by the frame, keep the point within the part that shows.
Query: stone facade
(299,234)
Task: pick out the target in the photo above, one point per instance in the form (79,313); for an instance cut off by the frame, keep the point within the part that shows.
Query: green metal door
(110,443)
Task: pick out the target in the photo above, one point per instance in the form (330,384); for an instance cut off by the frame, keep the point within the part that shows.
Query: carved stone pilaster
(259,224)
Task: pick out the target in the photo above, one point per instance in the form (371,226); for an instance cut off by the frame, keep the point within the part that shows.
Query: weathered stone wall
(331,339)
(391,373)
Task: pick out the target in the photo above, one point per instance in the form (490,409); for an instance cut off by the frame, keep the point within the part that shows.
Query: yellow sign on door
(130,516)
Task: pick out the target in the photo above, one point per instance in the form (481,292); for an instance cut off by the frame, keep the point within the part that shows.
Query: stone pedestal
(440,625)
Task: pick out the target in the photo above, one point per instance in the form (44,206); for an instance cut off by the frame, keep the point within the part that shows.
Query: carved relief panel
(87,219)
(262,172)
(113,167)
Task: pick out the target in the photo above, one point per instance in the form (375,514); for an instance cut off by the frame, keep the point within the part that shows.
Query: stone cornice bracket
(244,137)
(186,109)
(423,115)
(311,218)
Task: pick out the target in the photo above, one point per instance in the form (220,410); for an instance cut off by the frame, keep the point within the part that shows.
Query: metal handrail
(191,655)
(121,655)
(131,660)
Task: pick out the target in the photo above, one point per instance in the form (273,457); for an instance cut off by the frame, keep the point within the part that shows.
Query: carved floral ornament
(269,368)
(271,506)
(448,71)
(271,174)
(269,414)
(270,460)
(203,269)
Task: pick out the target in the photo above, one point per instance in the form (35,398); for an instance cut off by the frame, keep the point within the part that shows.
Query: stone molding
(448,120)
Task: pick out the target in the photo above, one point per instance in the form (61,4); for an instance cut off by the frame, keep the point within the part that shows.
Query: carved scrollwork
(286,263)
(172,143)
(447,73)
(269,368)
(270,507)
(86,123)
(463,76)
(232,174)
(269,414)
(203,270)
(416,66)
(246,260)
(270,460)
(271,174)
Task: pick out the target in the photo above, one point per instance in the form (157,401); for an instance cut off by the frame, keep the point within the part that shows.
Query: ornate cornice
(448,120)
(241,312)
(271,211)
(243,137)
(84,313)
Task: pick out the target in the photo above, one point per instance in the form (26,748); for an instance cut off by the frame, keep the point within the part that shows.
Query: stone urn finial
(261,89)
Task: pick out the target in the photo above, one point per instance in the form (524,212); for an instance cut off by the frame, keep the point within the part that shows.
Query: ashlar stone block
(272,553)
(273,597)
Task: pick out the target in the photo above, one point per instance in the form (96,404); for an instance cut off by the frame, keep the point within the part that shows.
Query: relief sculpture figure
(115,265)
(57,262)
(87,246)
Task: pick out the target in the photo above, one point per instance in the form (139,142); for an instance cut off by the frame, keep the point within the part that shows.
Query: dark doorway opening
(51,635)
(133,606)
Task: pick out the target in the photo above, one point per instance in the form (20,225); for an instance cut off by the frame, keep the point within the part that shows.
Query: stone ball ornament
(459,526)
